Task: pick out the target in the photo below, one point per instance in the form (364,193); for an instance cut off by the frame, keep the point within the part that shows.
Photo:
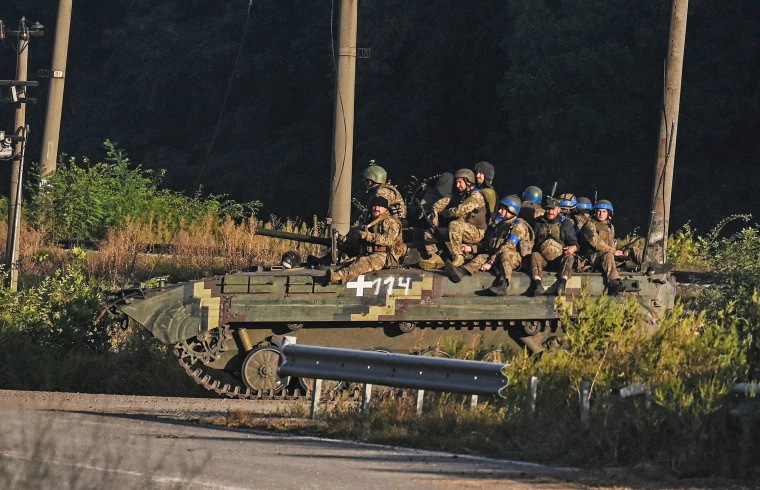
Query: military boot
(500,288)
(536,288)
(332,277)
(558,288)
(458,260)
(455,273)
(615,286)
(434,262)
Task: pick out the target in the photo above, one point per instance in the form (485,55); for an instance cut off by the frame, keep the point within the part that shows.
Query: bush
(83,201)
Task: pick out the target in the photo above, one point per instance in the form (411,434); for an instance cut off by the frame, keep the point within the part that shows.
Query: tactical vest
(476,218)
(374,227)
(546,230)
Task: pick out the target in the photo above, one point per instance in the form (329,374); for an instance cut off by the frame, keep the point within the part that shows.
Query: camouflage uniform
(530,212)
(396,204)
(580,221)
(551,238)
(507,242)
(467,212)
(598,247)
(383,248)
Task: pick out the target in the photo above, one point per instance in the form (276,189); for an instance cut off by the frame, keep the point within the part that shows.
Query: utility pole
(343,125)
(18,97)
(52,129)
(656,246)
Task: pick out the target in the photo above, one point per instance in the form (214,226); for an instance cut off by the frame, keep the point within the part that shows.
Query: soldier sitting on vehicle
(463,216)
(443,187)
(531,208)
(381,243)
(555,248)
(484,174)
(582,213)
(508,241)
(598,245)
(376,179)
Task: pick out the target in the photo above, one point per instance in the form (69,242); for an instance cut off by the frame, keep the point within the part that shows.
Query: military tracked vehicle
(227,331)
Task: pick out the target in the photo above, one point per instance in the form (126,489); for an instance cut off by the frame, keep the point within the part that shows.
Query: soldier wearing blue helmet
(598,245)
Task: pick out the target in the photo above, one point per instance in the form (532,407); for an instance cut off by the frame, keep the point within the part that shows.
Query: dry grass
(211,246)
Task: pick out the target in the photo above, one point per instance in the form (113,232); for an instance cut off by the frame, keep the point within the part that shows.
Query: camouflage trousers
(458,233)
(562,264)
(605,261)
(508,260)
(367,263)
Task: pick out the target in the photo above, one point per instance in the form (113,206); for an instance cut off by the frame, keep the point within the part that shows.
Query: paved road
(54,449)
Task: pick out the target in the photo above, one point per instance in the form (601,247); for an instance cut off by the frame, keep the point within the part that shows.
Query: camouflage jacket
(468,206)
(396,204)
(383,234)
(597,236)
(514,234)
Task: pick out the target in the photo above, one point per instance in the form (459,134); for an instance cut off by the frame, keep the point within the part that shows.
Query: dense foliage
(545,89)
(83,200)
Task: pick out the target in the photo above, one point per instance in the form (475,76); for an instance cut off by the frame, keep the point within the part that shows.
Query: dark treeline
(544,89)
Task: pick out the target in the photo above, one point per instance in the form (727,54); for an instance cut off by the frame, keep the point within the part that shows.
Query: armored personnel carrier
(227,331)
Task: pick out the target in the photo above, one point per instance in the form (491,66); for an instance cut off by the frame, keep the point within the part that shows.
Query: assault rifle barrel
(286,235)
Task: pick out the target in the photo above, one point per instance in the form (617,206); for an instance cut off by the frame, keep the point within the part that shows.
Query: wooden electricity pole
(656,246)
(343,128)
(52,128)
(19,97)
(17,167)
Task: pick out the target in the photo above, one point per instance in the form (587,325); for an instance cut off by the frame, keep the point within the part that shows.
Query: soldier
(508,241)
(531,205)
(582,213)
(484,174)
(442,188)
(464,214)
(381,243)
(376,179)
(567,204)
(598,245)
(555,248)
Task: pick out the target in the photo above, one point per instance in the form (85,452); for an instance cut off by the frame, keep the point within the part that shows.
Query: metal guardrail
(396,370)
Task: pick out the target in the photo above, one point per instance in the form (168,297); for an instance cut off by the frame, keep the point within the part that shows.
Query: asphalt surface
(42,447)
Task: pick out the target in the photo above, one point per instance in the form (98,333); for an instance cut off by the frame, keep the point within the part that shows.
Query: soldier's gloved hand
(363,234)
(354,235)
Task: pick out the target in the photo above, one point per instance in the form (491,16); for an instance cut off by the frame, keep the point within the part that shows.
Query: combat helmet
(290,259)
(487,170)
(584,205)
(512,203)
(376,174)
(466,174)
(532,193)
(604,204)
(567,202)
(551,202)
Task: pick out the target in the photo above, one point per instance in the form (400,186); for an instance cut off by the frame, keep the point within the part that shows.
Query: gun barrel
(286,235)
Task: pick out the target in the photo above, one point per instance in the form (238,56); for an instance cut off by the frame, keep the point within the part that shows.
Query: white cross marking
(360,285)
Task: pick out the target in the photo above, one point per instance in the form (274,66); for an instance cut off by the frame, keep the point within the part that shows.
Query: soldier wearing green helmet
(463,217)
(598,245)
(376,179)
